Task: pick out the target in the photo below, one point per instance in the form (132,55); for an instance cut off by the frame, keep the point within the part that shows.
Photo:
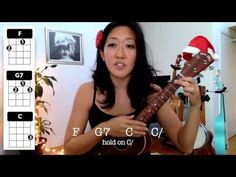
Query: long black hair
(141,76)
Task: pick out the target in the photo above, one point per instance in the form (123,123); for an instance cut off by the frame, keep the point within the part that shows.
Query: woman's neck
(120,83)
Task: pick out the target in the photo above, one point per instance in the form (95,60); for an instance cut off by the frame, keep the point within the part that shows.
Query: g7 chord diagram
(19,88)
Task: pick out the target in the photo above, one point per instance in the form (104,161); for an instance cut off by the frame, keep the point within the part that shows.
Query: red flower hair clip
(99,38)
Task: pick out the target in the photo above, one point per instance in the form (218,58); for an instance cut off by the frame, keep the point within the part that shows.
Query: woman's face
(120,52)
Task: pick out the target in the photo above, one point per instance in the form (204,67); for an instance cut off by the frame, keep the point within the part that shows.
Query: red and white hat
(197,44)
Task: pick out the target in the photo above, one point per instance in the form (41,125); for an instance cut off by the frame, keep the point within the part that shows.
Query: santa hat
(199,44)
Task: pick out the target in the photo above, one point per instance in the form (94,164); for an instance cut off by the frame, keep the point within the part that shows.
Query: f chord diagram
(19,88)
(18,46)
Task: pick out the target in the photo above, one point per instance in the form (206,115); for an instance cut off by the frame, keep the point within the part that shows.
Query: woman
(121,88)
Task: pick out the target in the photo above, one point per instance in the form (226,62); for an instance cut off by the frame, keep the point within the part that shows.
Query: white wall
(150,31)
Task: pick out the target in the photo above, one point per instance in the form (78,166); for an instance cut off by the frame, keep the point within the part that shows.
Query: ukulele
(221,140)
(175,102)
(141,145)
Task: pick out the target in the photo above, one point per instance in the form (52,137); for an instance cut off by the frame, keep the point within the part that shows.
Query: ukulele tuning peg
(200,75)
(205,98)
(211,68)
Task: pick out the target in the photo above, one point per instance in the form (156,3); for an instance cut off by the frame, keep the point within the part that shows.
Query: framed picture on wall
(63,47)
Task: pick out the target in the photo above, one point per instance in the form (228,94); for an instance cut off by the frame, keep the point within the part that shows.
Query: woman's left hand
(191,90)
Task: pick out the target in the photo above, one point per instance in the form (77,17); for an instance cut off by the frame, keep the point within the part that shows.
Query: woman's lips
(120,65)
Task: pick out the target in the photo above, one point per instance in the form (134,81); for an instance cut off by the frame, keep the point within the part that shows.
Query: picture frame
(63,47)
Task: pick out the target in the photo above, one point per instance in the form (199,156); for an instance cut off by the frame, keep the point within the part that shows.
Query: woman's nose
(120,52)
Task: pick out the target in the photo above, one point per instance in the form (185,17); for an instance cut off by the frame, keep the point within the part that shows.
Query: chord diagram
(20,133)
(19,88)
(19,46)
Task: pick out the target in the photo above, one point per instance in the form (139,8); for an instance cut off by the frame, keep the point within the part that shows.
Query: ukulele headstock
(197,64)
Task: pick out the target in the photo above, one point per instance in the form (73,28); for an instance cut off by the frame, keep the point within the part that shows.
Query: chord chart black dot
(19,46)
(19,88)
(20,131)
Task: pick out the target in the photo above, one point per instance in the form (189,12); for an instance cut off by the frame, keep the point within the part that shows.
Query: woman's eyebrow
(126,39)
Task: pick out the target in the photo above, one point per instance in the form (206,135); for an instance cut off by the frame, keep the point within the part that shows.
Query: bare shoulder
(86,87)
(85,92)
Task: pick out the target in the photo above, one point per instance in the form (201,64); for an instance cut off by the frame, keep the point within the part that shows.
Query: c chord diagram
(20,130)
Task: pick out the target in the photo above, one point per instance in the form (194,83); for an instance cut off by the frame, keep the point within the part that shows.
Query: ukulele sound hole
(123,144)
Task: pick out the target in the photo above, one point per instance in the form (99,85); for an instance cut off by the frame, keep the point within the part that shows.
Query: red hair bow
(99,39)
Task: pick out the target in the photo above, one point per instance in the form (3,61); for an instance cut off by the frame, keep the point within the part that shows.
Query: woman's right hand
(122,125)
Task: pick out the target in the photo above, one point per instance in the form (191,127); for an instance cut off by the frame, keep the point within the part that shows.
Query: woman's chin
(121,75)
